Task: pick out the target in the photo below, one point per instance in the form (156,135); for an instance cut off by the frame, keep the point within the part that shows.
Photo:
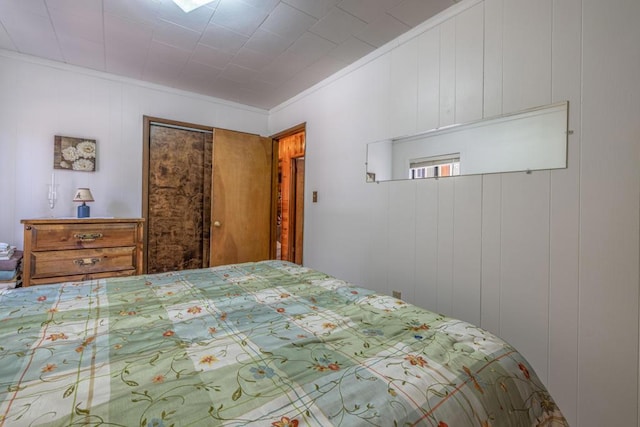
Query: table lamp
(83,195)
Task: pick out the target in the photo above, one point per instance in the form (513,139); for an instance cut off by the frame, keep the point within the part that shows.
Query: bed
(268,343)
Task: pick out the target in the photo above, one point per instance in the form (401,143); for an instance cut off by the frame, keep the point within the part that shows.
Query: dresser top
(71,220)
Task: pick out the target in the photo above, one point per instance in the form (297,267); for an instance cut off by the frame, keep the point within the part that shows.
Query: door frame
(302,127)
(146,144)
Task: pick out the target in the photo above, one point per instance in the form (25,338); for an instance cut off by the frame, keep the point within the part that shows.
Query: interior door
(178,196)
(242,203)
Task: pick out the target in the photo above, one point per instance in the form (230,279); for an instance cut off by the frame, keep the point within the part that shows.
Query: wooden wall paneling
(525,265)
(492,72)
(289,148)
(469,64)
(299,209)
(467,248)
(609,234)
(526,61)
(565,212)
(447,73)
(426,293)
(428,80)
(375,258)
(490,313)
(402,239)
(404,88)
(10,230)
(445,215)
(526,74)
(491,253)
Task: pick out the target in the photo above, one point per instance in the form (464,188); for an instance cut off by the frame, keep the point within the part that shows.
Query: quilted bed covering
(264,344)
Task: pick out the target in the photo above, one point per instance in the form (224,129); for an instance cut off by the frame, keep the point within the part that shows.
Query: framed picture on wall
(78,154)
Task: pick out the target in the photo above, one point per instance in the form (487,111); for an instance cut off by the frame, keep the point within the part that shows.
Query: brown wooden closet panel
(179,198)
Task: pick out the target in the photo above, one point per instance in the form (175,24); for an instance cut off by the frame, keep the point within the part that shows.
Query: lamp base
(83,211)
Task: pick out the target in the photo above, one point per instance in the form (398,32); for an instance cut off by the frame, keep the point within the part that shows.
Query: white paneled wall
(547,260)
(41,99)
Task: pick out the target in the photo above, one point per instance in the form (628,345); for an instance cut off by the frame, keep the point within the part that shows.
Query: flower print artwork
(78,154)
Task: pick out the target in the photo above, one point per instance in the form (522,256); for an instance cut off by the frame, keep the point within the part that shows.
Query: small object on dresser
(83,195)
(11,270)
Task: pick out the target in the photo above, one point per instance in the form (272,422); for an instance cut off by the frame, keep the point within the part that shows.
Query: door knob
(217,224)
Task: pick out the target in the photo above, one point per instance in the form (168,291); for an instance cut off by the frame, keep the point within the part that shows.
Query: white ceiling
(255,52)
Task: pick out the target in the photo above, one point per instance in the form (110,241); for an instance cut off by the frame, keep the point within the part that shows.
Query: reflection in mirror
(528,140)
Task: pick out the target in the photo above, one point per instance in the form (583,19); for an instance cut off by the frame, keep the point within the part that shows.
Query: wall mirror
(528,140)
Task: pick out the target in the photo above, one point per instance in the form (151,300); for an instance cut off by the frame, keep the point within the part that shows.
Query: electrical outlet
(397,294)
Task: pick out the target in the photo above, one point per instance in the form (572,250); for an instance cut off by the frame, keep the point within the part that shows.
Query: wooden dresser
(60,250)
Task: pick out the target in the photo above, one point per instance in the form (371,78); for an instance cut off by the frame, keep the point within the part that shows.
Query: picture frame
(74,154)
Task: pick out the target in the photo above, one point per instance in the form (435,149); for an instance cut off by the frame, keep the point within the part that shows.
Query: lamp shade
(83,195)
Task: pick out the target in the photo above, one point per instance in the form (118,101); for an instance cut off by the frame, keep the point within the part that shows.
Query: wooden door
(242,203)
(298,209)
(177,197)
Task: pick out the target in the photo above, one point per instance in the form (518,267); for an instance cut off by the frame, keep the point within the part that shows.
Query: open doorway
(290,190)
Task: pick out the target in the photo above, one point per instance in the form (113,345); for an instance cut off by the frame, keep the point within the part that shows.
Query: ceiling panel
(175,35)
(351,50)
(252,59)
(382,31)
(367,10)
(239,17)
(311,47)
(83,52)
(5,40)
(140,11)
(268,43)
(211,56)
(86,26)
(288,22)
(410,12)
(315,8)
(11,7)
(223,39)
(337,26)
(258,52)
(195,20)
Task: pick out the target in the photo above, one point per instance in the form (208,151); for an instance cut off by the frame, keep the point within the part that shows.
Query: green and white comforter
(257,344)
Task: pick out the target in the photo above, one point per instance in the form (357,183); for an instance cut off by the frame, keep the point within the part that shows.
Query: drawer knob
(84,262)
(88,237)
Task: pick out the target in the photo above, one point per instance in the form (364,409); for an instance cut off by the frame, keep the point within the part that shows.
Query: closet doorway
(207,196)
(290,207)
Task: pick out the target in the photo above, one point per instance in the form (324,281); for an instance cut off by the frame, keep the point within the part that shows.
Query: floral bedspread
(265,344)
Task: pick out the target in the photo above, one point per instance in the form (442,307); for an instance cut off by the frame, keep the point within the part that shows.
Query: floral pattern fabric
(264,344)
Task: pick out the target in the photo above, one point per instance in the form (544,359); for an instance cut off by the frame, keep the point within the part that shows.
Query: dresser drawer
(82,261)
(52,236)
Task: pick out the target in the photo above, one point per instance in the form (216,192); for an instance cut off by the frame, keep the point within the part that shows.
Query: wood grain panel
(179,191)
(289,148)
